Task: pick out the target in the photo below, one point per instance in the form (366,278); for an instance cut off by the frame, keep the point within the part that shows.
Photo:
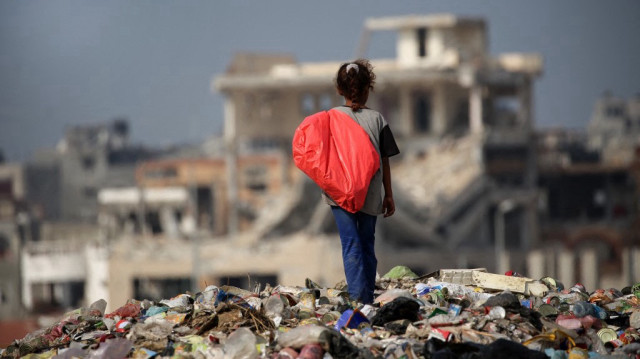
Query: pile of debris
(446,314)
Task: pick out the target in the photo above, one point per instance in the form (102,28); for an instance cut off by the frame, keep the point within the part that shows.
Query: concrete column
(475,109)
(525,117)
(141,212)
(536,264)
(627,265)
(501,254)
(635,265)
(589,269)
(566,267)
(550,263)
(230,138)
(97,264)
(440,110)
(530,235)
(27,295)
(405,123)
(407,47)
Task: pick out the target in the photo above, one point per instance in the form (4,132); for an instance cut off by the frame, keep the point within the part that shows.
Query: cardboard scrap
(480,278)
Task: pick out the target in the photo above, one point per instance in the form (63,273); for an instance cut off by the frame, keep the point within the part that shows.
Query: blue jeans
(357,234)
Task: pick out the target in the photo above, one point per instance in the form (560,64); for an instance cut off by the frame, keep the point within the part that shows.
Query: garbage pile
(445,314)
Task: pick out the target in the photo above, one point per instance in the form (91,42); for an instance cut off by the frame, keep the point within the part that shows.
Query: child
(354,81)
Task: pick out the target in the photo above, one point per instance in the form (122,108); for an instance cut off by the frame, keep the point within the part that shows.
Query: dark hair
(354,85)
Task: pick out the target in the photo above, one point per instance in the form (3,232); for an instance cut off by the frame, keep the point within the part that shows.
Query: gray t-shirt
(382,139)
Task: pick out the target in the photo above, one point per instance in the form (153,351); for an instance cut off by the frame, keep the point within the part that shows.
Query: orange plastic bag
(337,154)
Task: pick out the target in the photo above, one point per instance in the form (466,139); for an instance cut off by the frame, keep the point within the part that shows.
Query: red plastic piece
(129,310)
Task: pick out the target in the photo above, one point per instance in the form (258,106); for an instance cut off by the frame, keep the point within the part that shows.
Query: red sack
(337,154)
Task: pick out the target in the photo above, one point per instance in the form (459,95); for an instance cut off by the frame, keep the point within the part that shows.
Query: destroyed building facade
(467,182)
(614,128)
(57,220)
(463,121)
(64,182)
(590,198)
(13,224)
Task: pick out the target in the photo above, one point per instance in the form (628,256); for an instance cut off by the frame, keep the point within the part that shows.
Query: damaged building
(462,118)
(590,197)
(474,185)
(59,249)
(465,183)
(13,225)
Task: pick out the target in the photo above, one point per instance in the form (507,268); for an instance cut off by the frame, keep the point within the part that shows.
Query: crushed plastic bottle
(241,344)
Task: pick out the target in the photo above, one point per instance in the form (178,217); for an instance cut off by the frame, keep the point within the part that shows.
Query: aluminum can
(497,313)
(607,334)
(629,337)
(547,309)
(330,317)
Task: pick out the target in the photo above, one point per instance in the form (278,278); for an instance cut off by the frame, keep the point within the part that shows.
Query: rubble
(445,314)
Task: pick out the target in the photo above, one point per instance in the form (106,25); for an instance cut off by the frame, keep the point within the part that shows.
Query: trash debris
(446,314)
(400,272)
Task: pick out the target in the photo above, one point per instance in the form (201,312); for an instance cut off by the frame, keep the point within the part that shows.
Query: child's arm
(388,206)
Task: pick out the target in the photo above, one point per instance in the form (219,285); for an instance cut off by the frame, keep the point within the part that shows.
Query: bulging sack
(337,154)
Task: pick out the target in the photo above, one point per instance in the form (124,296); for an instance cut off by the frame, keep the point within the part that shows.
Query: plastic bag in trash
(298,337)
(241,344)
(400,272)
(399,308)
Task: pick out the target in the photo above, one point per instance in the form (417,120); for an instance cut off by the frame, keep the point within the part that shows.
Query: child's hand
(388,206)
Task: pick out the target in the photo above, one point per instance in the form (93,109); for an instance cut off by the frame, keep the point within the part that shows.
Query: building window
(52,297)
(250,281)
(422,112)
(5,245)
(159,288)
(88,163)
(505,110)
(161,173)
(6,188)
(152,220)
(90,192)
(256,178)
(326,101)
(614,111)
(307,104)
(422,42)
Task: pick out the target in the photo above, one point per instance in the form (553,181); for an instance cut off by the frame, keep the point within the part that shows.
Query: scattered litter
(446,314)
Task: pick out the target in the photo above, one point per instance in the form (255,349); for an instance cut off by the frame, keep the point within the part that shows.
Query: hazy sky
(67,62)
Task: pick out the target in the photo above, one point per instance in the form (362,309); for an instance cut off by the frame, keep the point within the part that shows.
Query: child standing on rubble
(357,230)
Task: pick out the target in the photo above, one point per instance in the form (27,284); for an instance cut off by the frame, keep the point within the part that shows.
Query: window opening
(422,112)
(422,42)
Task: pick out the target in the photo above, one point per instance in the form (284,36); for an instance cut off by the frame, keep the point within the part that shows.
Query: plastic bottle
(600,312)
(241,344)
(300,336)
(274,306)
